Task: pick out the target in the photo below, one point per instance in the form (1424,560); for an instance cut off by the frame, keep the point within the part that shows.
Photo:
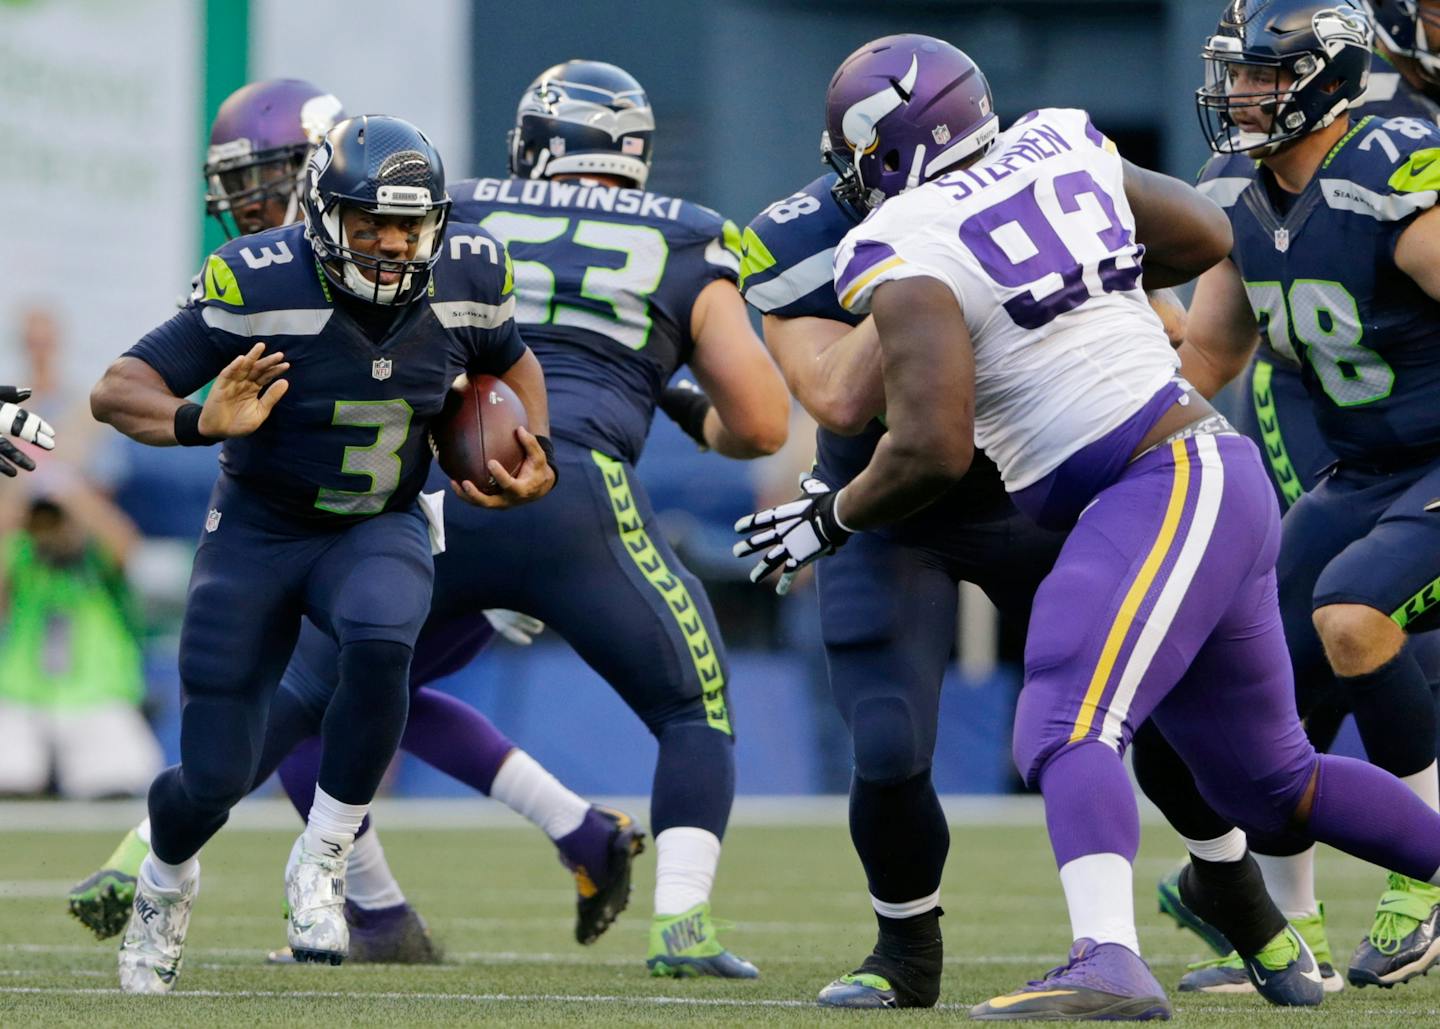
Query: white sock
(908,909)
(368,879)
(142,831)
(165,876)
(1099,890)
(685,863)
(1291,882)
(523,785)
(331,828)
(1228,848)
(1425,785)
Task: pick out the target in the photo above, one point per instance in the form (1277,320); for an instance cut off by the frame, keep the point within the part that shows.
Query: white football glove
(519,629)
(20,423)
(792,535)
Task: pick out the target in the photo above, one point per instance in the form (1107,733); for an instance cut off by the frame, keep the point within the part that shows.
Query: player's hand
(792,535)
(533,480)
(244,393)
(519,629)
(687,406)
(1166,303)
(20,423)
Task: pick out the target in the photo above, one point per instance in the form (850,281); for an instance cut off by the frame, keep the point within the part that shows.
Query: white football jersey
(1037,242)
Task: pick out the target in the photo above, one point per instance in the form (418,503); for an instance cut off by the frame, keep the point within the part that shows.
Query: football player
(1004,277)
(20,423)
(315,511)
(1307,188)
(260,137)
(615,288)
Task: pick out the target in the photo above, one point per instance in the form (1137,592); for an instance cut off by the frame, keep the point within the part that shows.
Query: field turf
(502,908)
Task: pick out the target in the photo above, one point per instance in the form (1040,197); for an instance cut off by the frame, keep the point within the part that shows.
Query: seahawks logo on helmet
(583,117)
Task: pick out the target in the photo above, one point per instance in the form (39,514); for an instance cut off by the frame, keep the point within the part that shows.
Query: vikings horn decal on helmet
(259,141)
(1409,31)
(583,116)
(900,111)
(383,166)
(1276,70)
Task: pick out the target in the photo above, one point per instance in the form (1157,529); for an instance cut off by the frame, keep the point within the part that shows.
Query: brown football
(476,426)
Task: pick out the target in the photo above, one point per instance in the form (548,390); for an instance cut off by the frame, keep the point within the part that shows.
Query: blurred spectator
(71,678)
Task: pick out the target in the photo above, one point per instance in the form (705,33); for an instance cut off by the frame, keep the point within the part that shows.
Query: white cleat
(315,894)
(154,944)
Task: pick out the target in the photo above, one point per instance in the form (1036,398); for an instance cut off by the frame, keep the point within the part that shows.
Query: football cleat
(315,899)
(685,945)
(1228,974)
(380,936)
(154,946)
(1404,940)
(903,971)
(103,901)
(1104,982)
(859,989)
(600,899)
(1167,892)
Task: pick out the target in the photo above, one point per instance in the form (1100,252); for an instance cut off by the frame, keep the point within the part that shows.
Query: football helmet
(1299,63)
(385,166)
(1408,30)
(583,116)
(900,111)
(258,145)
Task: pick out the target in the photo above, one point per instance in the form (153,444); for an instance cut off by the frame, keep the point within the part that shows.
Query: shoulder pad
(271,269)
(1387,169)
(1224,177)
(801,229)
(474,263)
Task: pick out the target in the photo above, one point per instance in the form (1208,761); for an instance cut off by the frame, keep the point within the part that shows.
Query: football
(476,426)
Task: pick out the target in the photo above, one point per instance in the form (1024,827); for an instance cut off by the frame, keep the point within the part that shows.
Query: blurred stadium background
(104,109)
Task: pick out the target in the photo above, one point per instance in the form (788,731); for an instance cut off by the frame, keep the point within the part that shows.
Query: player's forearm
(527,379)
(1208,371)
(132,397)
(832,370)
(901,479)
(1183,232)
(741,446)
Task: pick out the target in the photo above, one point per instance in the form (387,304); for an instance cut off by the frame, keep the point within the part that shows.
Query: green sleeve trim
(1420,172)
(755,256)
(671,587)
(220,284)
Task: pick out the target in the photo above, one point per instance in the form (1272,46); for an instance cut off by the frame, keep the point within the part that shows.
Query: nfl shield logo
(380,368)
(941,133)
(212,520)
(1282,240)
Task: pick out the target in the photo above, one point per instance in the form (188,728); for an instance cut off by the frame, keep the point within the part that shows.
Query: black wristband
(549,449)
(687,408)
(187,427)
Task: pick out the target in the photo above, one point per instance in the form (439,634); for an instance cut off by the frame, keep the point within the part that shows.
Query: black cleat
(600,898)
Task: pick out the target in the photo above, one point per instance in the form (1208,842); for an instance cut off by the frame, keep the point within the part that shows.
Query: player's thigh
(1395,567)
(1277,415)
(374,580)
(1145,576)
(887,618)
(25,752)
(313,672)
(617,593)
(1232,717)
(105,750)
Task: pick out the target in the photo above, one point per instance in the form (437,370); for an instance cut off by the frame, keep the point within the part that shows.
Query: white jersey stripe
(471,314)
(794,283)
(1177,587)
(296,322)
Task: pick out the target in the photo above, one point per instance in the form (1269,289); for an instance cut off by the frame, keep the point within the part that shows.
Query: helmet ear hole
(891,160)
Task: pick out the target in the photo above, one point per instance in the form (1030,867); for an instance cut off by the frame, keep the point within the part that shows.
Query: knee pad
(886,741)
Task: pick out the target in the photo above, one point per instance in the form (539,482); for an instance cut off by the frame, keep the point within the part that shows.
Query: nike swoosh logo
(305,928)
(215,286)
(1010,1000)
(1313,975)
(1419,169)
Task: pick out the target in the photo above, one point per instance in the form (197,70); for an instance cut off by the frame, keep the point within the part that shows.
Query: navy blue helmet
(579,117)
(382,166)
(1276,70)
(1409,30)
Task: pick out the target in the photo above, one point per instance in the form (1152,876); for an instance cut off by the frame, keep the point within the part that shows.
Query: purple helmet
(901,110)
(258,145)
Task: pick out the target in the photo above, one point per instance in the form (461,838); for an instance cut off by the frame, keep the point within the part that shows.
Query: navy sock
(1395,713)
(694,779)
(900,833)
(365,720)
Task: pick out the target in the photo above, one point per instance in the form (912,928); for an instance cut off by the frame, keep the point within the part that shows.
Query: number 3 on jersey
(624,290)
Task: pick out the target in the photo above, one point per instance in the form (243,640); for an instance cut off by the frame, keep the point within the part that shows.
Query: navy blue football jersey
(787,271)
(348,439)
(605,280)
(1327,295)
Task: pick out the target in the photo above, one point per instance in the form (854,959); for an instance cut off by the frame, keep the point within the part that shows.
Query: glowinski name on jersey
(583,196)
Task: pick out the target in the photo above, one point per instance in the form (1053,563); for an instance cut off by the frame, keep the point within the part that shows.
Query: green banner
(225,67)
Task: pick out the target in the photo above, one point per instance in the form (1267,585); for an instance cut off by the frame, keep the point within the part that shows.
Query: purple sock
(1089,805)
(455,738)
(588,846)
(1369,813)
(298,773)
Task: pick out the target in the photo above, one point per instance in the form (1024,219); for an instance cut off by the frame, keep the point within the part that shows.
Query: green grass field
(501,906)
